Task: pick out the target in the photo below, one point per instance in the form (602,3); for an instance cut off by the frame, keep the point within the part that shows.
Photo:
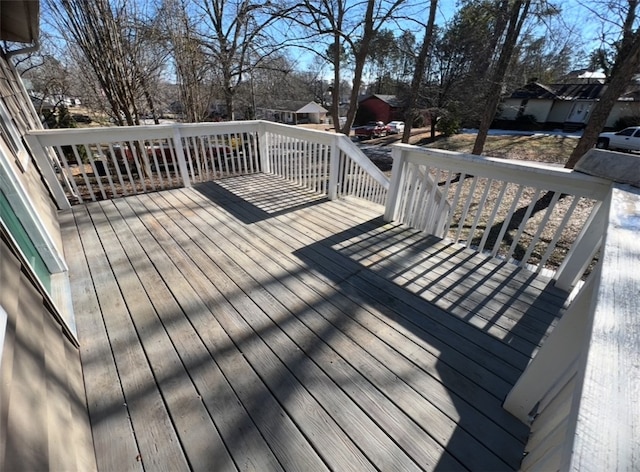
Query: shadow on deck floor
(248,324)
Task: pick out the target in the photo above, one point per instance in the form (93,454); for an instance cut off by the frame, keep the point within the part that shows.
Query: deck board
(257,326)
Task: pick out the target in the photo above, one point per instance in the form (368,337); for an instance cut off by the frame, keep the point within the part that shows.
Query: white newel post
(334,169)
(182,161)
(585,247)
(397,176)
(265,162)
(40,155)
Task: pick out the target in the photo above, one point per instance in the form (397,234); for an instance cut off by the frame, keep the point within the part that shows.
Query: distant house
(293,113)
(375,107)
(563,106)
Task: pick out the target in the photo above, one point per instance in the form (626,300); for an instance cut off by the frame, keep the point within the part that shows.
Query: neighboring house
(311,113)
(293,113)
(383,108)
(563,106)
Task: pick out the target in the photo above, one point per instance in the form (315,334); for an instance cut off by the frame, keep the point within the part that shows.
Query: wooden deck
(248,324)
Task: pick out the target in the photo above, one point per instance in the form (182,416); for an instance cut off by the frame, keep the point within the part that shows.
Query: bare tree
(627,64)
(518,11)
(97,31)
(234,35)
(191,65)
(418,75)
(349,27)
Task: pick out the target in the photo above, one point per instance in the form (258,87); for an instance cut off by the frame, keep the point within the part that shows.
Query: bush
(448,125)
(626,121)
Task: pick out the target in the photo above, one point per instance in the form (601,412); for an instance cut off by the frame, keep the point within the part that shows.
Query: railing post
(182,161)
(584,248)
(334,169)
(40,155)
(397,177)
(263,149)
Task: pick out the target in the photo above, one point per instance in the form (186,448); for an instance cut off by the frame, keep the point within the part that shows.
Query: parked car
(626,140)
(395,127)
(373,129)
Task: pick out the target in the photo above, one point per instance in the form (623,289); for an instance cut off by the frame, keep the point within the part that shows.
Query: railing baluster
(82,168)
(541,226)
(467,205)
(481,205)
(68,173)
(558,233)
(523,224)
(456,198)
(507,219)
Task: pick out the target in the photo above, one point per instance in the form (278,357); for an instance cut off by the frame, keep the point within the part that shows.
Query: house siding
(44,422)
(539,109)
(376,109)
(620,110)
(16,101)
(560,111)
(510,107)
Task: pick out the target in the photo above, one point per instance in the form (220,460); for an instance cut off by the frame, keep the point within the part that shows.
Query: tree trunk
(361,58)
(624,74)
(335,92)
(418,74)
(519,11)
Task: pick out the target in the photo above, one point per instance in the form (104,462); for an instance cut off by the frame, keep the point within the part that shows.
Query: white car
(626,140)
(395,127)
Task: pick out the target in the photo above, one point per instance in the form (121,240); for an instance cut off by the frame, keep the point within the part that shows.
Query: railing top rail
(316,135)
(348,146)
(549,176)
(52,137)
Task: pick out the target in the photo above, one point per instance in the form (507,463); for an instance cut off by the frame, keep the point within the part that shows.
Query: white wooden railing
(580,393)
(99,163)
(515,210)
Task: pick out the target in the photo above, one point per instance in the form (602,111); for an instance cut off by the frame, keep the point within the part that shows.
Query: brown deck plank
(80,428)
(296,401)
(197,433)
(501,439)
(317,335)
(108,414)
(200,304)
(241,438)
(158,444)
(278,312)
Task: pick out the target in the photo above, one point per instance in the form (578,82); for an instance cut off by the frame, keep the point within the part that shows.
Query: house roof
(391,100)
(534,90)
(579,91)
(582,91)
(312,107)
(19,20)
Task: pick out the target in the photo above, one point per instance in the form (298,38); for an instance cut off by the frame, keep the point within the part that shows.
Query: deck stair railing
(304,156)
(515,210)
(99,163)
(579,393)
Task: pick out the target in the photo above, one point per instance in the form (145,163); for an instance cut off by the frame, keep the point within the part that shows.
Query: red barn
(383,108)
